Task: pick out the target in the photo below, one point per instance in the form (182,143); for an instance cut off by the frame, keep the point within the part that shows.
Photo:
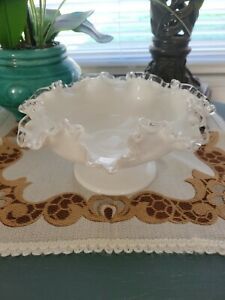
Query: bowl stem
(123,182)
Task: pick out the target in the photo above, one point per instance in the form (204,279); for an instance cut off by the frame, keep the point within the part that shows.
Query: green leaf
(13,15)
(88,28)
(70,21)
(40,30)
(50,14)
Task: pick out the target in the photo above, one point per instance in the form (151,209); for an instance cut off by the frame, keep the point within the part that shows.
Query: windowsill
(211,73)
(213,68)
(217,86)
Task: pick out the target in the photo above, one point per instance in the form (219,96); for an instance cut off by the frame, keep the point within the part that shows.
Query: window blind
(128,21)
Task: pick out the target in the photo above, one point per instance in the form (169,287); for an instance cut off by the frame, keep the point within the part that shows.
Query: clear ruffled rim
(201,107)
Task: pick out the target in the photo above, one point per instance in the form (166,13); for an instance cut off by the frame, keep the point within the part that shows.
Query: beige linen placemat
(44,210)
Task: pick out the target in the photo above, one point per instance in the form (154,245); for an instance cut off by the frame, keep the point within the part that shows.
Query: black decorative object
(172,22)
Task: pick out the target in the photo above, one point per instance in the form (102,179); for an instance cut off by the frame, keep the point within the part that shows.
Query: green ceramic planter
(22,72)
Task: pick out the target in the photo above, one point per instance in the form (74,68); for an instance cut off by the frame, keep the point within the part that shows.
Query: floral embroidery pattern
(65,209)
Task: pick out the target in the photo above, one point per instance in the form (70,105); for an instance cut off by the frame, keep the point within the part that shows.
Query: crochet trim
(159,246)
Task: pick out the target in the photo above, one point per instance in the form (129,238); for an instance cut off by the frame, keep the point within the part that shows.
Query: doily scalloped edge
(158,246)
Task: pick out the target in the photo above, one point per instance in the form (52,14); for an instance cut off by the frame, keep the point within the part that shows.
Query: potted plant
(30,58)
(172,23)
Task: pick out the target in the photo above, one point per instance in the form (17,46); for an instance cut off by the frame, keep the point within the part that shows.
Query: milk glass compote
(114,130)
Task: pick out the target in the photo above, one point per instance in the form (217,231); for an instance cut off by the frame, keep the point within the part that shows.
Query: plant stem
(53,21)
(43,21)
(44,7)
(31,29)
(27,37)
(35,21)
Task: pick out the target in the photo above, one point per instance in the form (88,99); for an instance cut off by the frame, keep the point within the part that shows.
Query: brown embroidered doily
(150,207)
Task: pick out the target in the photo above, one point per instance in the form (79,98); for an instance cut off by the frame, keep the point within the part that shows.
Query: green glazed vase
(22,72)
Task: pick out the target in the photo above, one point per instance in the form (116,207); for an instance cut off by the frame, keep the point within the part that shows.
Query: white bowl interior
(114,121)
(106,103)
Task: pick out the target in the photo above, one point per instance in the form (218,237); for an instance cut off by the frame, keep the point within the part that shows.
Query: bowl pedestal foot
(122,182)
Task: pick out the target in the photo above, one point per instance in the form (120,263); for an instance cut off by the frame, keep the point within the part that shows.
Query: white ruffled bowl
(114,129)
